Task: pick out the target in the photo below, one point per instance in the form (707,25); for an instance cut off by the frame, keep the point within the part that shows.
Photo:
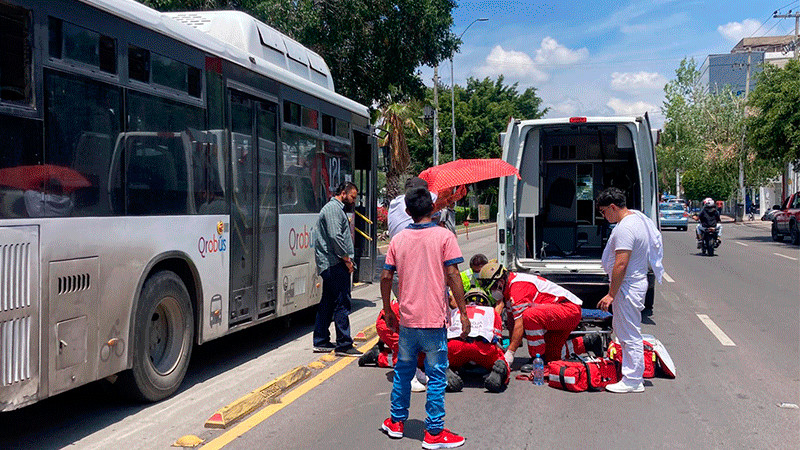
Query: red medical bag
(615,353)
(579,374)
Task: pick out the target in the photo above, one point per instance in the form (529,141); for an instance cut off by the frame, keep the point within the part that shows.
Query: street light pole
(453,89)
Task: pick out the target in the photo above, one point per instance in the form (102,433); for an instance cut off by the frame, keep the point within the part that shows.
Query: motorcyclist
(708,217)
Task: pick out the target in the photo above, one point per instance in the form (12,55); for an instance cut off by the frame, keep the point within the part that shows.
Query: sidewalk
(757,223)
(460,229)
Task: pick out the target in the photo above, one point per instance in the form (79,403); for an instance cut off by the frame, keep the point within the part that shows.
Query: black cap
(416,182)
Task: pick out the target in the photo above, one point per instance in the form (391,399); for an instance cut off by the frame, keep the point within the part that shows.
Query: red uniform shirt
(524,290)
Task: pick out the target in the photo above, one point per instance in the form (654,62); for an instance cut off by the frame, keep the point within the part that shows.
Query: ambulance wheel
(163,338)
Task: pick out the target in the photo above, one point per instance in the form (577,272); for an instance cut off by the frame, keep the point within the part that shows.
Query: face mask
(497,295)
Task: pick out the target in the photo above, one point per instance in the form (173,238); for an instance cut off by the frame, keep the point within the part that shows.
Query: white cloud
(565,108)
(511,64)
(551,52)
(637,81)
(623,108)
(735,31)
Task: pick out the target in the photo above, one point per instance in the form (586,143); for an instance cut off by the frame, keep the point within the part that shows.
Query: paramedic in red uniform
(481,346)
(544,312)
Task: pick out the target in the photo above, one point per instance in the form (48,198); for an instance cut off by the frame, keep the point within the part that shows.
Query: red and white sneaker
(393,429)
(445,439)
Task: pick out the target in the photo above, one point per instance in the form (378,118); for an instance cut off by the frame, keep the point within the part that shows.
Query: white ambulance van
(548,223)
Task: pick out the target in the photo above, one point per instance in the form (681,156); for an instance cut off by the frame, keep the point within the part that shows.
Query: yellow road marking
(265,413)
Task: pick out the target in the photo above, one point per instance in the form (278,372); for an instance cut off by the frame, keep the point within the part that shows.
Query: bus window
(20,146)
(82,45)
(15,55)
(297,188)
(158,151)
(81,135)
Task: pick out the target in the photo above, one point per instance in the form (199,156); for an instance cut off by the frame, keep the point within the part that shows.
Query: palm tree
(395,119)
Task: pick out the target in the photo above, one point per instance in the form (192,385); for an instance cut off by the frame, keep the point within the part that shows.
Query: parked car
(680,201)
(786,222)
(673,215)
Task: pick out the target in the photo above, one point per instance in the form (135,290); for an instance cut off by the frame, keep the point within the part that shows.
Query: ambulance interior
(564,167)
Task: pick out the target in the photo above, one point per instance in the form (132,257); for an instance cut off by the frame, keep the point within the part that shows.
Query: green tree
(701,182)
(681,141)
(396,120)
(774,126)
(704,138)
(372,47)
(483,109)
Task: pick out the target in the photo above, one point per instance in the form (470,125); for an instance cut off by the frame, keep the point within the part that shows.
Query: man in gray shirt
(333,249)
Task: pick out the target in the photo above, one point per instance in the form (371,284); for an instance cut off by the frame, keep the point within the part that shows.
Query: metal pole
(453,89)
(453,106)
(436,115)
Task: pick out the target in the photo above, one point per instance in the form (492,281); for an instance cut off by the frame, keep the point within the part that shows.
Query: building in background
(730,71)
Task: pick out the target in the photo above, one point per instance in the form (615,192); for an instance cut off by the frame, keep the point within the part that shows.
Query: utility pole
(796,27)
(742,193)
(436,115)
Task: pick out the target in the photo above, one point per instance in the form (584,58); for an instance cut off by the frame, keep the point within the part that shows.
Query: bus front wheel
(163,338)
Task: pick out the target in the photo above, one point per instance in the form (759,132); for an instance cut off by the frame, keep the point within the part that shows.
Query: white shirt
(397,218)
(629,234)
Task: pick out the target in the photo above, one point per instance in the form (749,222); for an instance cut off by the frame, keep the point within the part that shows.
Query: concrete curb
(269,393)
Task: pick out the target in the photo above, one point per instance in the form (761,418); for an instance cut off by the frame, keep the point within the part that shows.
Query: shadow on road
(61,420)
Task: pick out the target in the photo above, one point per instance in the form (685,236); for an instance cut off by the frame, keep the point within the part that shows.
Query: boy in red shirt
(425,257)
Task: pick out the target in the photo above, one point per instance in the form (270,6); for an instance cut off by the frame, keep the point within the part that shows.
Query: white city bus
(160,181)
(548,222)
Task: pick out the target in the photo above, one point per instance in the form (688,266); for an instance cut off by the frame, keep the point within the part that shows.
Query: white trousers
(627,323)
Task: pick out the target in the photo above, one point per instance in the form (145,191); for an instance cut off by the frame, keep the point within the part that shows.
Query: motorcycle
(710,241)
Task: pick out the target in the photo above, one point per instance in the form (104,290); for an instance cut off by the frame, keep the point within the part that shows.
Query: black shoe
(527,367)
(370,357)
(496,380)
(352,351)
(454,382)
(324,348)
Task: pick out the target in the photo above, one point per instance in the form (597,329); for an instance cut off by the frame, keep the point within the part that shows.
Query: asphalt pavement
(730,322)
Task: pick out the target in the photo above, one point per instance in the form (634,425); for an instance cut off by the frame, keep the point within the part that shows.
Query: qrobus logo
(300,240)
(213,244)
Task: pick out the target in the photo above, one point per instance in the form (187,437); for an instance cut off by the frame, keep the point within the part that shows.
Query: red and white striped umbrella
(466,171)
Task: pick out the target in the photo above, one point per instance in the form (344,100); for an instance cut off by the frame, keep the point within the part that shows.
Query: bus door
(365,237)
(253,212)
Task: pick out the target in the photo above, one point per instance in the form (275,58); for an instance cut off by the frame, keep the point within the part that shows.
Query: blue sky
(601,57)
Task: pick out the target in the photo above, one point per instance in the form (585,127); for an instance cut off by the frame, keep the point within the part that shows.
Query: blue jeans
(334,306)
(432,342)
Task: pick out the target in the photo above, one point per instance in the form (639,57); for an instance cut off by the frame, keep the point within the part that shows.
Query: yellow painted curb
(366,334)
(232,412)
(247,424)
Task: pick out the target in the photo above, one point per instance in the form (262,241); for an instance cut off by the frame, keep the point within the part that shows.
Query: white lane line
(784,256)
(716,331)
(742,244)
(668,278)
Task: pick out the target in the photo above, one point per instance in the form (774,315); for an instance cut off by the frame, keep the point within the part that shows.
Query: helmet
(478,296)
(490,273)
(708,201)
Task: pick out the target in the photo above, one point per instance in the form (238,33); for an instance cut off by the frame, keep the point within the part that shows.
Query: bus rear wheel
(163,338)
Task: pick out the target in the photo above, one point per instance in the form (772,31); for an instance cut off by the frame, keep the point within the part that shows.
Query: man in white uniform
(634,245)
